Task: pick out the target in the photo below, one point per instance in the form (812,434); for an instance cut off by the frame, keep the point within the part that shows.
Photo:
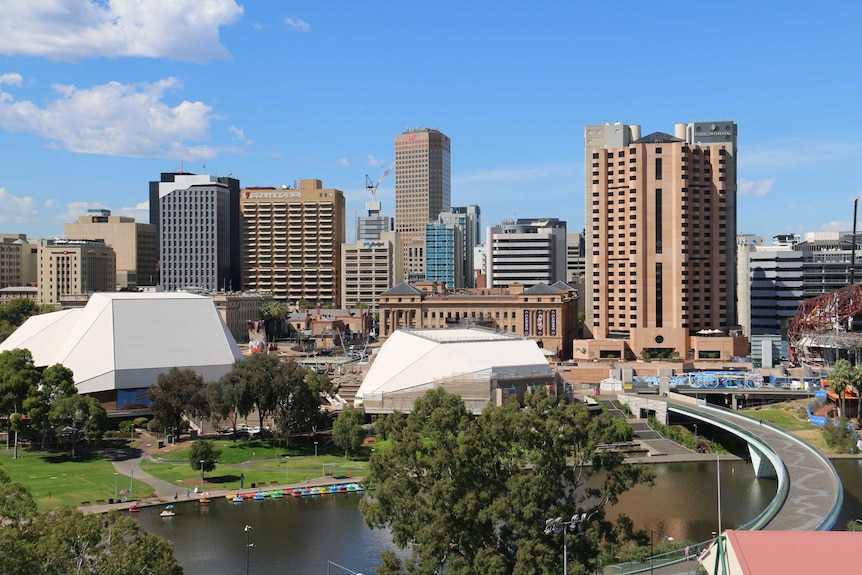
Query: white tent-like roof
(124,340)
(414,359)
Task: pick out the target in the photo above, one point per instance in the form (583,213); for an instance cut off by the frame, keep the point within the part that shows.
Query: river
(301,535)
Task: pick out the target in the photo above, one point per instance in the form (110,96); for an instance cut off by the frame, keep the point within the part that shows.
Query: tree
(79,416)
(205,451)
(221,401)
(273,314)
(57,382)
(840,378)
(18,380)
(298,406)
(66,541)
(347,431)
(177,393)
(254,380)
(472,495)
(16,312)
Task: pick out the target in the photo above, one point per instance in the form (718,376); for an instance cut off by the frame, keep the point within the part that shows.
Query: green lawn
(56,480)
(258,461)
(789,416)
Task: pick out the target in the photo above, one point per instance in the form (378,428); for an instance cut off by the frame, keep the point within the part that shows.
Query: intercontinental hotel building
(660,239)
(292,240)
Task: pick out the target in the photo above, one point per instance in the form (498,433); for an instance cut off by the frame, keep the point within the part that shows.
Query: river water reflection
(299,535)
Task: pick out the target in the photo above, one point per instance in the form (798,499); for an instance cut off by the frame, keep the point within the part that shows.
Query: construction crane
(373,187)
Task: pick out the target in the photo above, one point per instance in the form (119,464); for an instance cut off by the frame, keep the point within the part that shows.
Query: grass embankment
(57,480)
(259,462)
(791,416)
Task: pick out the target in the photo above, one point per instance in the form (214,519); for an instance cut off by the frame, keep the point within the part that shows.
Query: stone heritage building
(544,313)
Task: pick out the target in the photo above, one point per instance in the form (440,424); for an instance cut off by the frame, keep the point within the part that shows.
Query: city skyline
(97,100)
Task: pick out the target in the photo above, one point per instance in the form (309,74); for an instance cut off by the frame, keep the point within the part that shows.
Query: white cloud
(73,30)
(372,161)
(339,163)
(17,210)
(791,152)
(140,212)
(297,24)
(115,119)
(837,226)
(73,210)
(516,175)
(12,79)
(756,188)
(240,135)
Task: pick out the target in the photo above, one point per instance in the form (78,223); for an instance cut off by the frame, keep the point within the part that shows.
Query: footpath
(128,462)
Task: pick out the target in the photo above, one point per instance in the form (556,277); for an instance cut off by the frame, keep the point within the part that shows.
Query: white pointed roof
(412,359)
(124,340)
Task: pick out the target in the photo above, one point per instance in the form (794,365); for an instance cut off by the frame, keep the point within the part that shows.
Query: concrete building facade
(69,267)
(17,261)
(369,268)
(660,233)
(237,309)
(198,225)
(133,242)
(292,242)
(525,251)
(423,189)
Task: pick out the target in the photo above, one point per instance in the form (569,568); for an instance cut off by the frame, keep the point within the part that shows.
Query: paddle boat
(237,498)
(134,507)
(205,498)
(259,496)
(168,511)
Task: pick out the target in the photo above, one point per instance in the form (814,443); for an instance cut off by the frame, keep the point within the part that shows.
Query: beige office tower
(133,242)
(74,267)
(660,233)
(292,242)
(17,261)
(423,189)
(370,268)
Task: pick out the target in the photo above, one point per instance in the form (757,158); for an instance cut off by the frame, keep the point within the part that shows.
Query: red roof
(768,552)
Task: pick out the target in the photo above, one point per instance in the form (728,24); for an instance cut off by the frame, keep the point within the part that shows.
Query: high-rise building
(133,242)
(660,233)
(17,261)
(444,253)
(422,190)
(198,222)
(369,268)
(292,242)
(575,258)
(467,219)
(525,251)
(369,228)
(74,267)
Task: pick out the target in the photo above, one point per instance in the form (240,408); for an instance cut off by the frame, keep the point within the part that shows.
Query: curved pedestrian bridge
(809,494)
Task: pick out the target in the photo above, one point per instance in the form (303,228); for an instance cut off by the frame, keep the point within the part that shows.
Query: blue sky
(97,97)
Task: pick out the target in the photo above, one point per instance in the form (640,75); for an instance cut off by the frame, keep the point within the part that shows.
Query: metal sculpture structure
(823,329)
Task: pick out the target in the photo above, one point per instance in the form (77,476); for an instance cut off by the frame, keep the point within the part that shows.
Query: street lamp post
(695,437)
(202,472)
(651,533)
(115,485)
(286,469)
(329,565)
(248,546)
(555,525)
(315,450)
(131,481)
